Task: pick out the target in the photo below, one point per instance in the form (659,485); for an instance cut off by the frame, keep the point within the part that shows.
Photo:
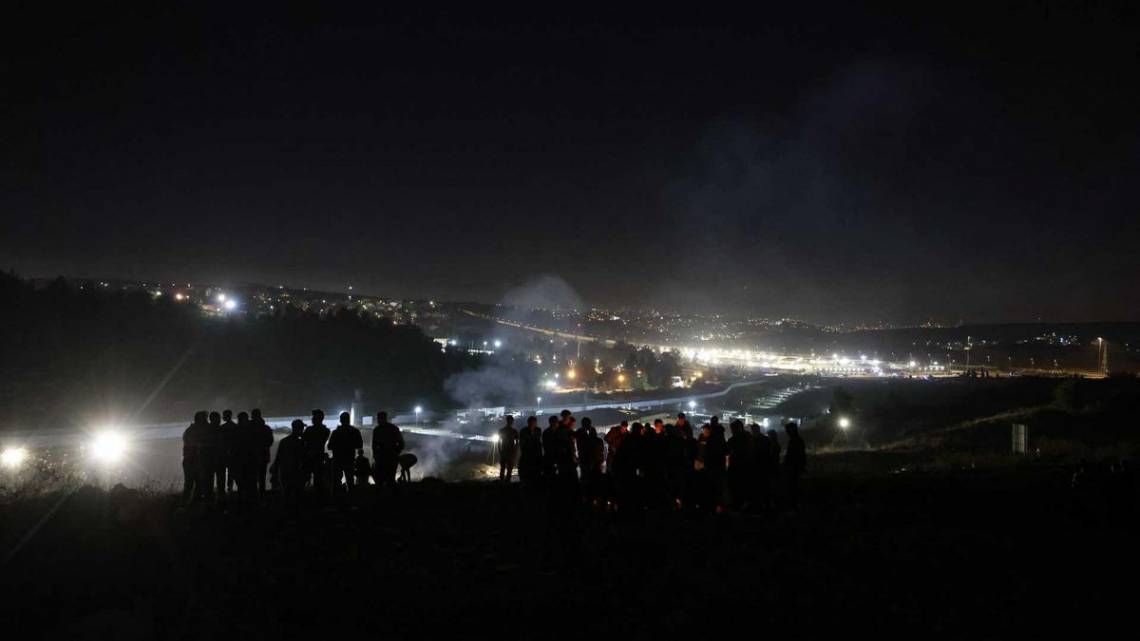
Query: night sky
(834,164)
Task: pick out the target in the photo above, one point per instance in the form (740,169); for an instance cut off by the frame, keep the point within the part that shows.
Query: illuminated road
(836,364)
(407,422)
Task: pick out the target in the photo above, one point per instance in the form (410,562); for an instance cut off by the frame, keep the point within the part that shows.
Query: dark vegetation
(963,420)
(71,355)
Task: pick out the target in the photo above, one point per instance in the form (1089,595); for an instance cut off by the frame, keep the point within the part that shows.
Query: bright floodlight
(221,298)
(108,447)
(230,305)
(912,363)
(844,422)
(13,457)
(692,404)
(498,344)
(495,438)
(419,409)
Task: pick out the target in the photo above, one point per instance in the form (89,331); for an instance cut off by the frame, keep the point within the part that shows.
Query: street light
(418,410)
(538,405)
(13,457)
(692,405)
(108,447)
(844,422)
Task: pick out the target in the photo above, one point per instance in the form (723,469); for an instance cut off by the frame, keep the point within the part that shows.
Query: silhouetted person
(774,452)
(243,453)
(676,466)
(689,451)
(315,437)
(290,466)
(627,467)
(762,448)
(581,435)
(192,464)
(652,455)
(592,455)
(795,460)
(508,449)
(560,448)
(741,465)
(550,448)
(387,444)
(530,452)
(264,446)
(344,441)
(362,468)
(214,455)
(714,458)
(613,440)
(406,461)
(230,450)
(567,460)
(683,422)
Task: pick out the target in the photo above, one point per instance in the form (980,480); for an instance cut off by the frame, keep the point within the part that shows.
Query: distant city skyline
(581,306)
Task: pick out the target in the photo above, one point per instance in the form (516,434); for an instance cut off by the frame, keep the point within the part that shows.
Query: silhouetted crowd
(658,465)
(220,456)
(640,466)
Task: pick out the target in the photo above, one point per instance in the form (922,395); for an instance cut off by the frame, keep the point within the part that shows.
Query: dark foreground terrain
(991,555)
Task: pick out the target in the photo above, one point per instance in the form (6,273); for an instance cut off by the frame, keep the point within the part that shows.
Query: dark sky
(829,163)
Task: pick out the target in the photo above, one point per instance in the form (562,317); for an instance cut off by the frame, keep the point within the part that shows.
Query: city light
(498,344)
(692,405)
(844,422)
(571,374)
(13,457)
(179,297)
(108,447)
(230,305)
(494,438)
(621,378)
(221,298)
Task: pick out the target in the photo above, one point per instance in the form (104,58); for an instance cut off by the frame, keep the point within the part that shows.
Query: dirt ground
(986,554)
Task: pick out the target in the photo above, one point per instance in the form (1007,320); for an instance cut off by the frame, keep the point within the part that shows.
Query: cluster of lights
(226,303)
(107,448)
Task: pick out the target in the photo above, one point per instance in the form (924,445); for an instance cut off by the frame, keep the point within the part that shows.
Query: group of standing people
(630,467)
(656,465)
(218,454)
